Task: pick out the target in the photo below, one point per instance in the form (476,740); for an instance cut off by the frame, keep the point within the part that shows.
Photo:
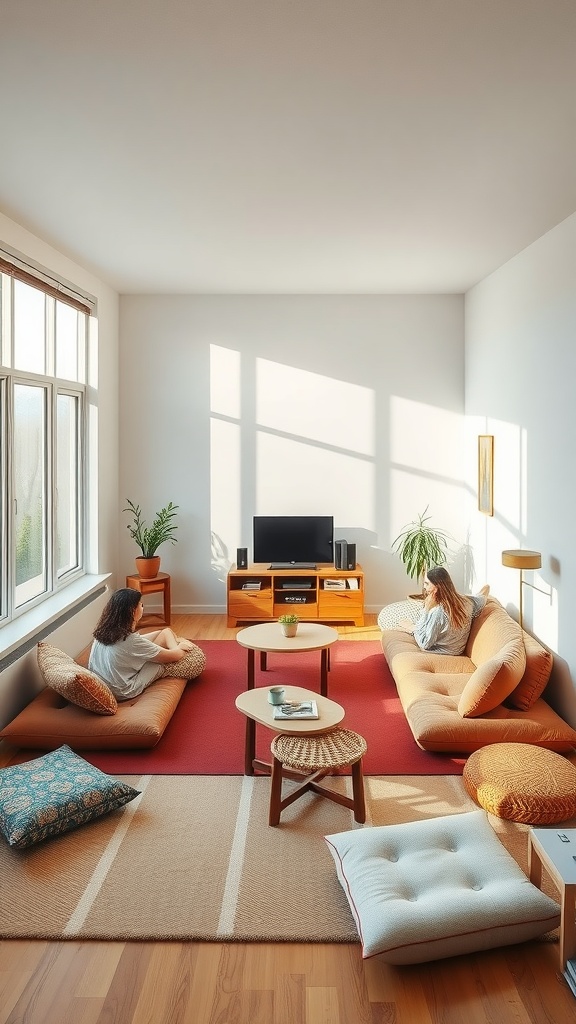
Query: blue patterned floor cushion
(53,794)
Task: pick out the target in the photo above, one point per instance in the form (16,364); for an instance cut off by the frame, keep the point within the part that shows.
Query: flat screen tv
(293,541)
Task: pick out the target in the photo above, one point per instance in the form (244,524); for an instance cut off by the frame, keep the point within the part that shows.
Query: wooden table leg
(263,660)
(167,602)
(534,866)
(567,924)
(250,747)
(250,668)
(324,671)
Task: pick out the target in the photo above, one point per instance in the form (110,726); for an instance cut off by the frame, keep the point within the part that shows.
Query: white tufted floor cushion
(426,890)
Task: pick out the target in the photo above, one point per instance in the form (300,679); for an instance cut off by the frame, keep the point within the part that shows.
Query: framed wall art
(486,474)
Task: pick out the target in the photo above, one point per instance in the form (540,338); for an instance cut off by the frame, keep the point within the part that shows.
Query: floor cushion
(54,794)
(522,782)
(49,720)
(437,888)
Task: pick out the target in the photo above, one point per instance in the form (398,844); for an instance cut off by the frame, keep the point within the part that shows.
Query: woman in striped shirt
(444,625)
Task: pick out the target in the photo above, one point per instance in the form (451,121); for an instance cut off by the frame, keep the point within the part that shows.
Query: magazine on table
(296,709)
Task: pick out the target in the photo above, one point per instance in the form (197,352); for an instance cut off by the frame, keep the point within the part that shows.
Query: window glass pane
(66,483)
(3,539)
(67,341)
(29,328)
(30,484)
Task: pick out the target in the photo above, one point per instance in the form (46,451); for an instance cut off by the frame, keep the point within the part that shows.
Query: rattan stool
(316,757)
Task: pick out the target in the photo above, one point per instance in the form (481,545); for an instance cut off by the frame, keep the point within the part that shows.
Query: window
(43,359)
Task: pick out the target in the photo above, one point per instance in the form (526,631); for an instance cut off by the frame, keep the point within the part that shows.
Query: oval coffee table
(254,704)
(267,637)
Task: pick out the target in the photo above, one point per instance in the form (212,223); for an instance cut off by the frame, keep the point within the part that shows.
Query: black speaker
(241,558)
(340,554)
(350,556)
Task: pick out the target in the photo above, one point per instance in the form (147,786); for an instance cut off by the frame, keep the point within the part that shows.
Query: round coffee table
(254,704)
(267,637)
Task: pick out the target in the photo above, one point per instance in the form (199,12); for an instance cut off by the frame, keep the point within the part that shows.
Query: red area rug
(206,733)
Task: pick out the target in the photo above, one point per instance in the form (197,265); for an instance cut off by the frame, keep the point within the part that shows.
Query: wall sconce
(518,559)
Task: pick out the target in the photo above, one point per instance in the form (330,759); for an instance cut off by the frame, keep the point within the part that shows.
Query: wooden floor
(214,983)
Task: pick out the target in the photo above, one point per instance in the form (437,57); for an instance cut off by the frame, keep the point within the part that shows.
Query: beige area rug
(194,858)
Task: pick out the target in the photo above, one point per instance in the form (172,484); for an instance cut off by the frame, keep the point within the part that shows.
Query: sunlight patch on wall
(426,458)
(298,478)
(510,479)
(316,407)
(298,443)
(422,438)
(225,493)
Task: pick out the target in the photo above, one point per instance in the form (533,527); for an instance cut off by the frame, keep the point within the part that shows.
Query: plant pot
(289,628)
(148,568)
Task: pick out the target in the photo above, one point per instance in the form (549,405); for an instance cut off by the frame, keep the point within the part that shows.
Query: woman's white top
(126,666)
(433,631)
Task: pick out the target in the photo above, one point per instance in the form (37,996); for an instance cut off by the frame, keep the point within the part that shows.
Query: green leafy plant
(420,547)
(288,618)
(149,538)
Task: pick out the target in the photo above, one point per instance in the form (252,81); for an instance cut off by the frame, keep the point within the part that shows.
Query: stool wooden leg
(358,793)
(275,793)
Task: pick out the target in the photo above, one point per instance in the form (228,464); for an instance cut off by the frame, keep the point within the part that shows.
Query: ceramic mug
(276,695)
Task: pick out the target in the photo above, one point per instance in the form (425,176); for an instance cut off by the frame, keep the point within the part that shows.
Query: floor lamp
(518,559)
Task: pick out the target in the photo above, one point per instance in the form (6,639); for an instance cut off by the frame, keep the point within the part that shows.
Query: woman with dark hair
(444,625)
(126,660)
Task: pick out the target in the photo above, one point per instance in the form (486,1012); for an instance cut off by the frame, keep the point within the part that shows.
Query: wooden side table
(555,849)
(158,584)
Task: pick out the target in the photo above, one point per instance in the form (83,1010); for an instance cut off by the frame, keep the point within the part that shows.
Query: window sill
(28,627)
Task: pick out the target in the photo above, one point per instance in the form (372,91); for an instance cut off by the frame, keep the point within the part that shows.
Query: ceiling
(288,146)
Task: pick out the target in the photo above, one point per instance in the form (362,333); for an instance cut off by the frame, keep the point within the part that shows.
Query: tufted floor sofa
(490,694)
(55,717)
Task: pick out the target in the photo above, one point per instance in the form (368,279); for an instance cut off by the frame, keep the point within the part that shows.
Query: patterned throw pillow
(79,686)
(392,614)
(54,794)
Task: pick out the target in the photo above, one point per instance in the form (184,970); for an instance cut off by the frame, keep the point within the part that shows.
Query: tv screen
(293,540)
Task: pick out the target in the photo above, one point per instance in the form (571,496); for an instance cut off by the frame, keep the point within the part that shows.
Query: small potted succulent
(289,623)
(149,538)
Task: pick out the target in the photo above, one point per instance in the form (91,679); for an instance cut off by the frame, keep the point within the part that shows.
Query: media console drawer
(330,600)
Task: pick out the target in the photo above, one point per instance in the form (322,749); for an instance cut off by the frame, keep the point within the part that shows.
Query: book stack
(570,975)
(335,584)
(297,709)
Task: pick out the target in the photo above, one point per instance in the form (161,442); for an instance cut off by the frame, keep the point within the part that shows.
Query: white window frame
(10,375)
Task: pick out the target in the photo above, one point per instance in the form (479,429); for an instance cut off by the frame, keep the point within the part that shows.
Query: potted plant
(420,546)
(149,538)
(289,623)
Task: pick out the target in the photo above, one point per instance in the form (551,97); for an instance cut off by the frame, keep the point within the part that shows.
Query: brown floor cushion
(49,721)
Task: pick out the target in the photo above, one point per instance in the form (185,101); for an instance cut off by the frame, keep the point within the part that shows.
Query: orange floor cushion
(50,720)
(522,782)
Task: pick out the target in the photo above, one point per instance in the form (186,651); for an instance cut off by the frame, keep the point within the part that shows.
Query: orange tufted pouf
(522,782)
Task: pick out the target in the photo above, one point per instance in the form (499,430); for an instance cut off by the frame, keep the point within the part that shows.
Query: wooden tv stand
(303,591)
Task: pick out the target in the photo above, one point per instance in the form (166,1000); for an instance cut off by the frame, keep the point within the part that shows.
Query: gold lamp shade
(515,558)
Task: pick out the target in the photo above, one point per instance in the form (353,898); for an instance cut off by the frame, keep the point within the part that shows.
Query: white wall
(520,378)
(241,405)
